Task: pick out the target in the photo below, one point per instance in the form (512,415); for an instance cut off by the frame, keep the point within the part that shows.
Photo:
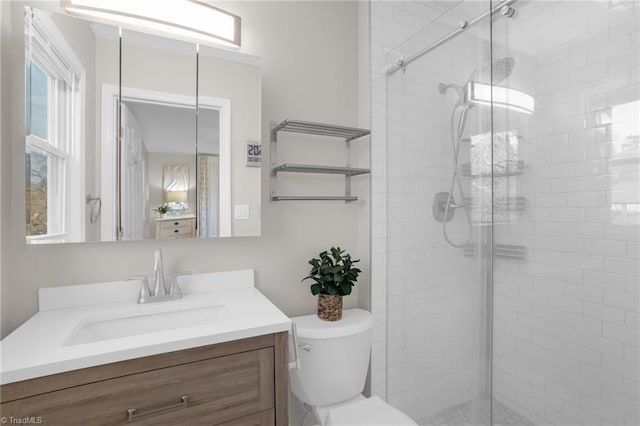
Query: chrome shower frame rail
(462,27)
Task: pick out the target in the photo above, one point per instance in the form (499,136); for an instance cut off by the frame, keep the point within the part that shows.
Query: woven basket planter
(330,307)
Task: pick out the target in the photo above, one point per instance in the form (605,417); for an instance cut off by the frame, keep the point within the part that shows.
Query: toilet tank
(334,357)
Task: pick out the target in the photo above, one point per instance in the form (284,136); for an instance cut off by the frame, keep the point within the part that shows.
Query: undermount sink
(94,330)
(88,325)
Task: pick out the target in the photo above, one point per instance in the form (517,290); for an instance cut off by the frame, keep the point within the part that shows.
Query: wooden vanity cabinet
(244,382)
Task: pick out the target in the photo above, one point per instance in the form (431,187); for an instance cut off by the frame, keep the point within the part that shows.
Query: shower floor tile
(462,415)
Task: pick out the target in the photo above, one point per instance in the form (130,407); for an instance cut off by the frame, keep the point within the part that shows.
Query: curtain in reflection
(207,196)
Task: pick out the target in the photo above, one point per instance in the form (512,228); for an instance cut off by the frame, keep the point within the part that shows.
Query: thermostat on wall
(254,154)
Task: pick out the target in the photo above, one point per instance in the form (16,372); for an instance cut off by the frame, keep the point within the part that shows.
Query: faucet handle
(174,288)
(145,292)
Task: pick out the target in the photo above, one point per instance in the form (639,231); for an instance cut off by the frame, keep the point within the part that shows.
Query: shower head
(500,69)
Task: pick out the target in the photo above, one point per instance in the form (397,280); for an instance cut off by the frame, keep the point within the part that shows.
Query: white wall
(309,73)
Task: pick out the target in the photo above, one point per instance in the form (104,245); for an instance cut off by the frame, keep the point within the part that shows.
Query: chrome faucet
(160,292)
(159,288)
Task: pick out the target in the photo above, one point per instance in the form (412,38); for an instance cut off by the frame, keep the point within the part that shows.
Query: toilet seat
(368,412)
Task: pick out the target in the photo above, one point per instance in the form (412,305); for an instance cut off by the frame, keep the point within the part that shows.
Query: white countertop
(39,347)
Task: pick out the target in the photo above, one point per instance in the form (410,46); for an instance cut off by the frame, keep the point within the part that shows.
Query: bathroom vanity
(232,383)
(217,357)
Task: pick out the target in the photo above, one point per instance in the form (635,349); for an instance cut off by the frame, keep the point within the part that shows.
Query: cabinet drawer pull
(134,415)
(176,231)
(176,223)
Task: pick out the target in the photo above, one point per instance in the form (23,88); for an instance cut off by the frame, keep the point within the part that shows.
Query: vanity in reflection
(181,226)
(121,125)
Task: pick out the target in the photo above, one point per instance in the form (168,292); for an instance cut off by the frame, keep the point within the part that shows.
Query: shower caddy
(296,126)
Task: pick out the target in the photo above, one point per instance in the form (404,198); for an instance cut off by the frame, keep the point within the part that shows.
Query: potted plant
(163,209)
(334,276)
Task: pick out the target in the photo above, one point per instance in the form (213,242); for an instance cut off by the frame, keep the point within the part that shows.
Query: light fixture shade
(176,196)
(189,19)
(499,96)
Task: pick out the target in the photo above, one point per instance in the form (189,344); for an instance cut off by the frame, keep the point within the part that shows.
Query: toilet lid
(368,412)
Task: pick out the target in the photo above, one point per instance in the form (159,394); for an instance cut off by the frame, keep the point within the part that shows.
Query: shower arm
(463,26)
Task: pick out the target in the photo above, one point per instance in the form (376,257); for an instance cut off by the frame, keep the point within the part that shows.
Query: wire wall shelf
(504,203)
(319,129)
(501,251)
(303,168)
(499,170)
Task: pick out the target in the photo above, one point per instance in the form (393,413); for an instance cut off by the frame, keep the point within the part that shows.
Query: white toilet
(333,359)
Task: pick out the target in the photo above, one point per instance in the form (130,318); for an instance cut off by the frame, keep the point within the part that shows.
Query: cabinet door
(219,390)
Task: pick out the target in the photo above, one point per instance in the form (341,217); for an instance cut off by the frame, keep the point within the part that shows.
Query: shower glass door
(513,212)
(439,222)
(566,213)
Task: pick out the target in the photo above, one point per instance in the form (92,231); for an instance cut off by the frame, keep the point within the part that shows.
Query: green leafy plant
(333,273)
(163,209)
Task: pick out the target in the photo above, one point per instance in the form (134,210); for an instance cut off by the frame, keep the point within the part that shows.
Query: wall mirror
(185,114)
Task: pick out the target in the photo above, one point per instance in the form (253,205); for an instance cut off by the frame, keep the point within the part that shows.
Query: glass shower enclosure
(513,213)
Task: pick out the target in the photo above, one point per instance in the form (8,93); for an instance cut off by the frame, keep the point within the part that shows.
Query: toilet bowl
(331,369)
(367,412)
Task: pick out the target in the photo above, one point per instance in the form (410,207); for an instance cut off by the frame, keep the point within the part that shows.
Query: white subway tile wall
(391,23)
(427,294)
(566,328)
(566,348)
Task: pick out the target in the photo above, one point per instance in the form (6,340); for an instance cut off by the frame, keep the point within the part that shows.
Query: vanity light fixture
(195,20)
(499,96)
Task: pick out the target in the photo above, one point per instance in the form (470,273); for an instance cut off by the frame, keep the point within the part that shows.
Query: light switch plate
(241,212)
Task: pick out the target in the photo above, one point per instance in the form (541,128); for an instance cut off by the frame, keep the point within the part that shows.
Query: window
(494,161)
(624,163)
(52,155)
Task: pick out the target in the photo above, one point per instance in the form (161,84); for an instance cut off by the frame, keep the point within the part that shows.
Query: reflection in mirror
(229,116)
(175,186)
(208,163)
(158,120)
(108,110)
(64,65)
